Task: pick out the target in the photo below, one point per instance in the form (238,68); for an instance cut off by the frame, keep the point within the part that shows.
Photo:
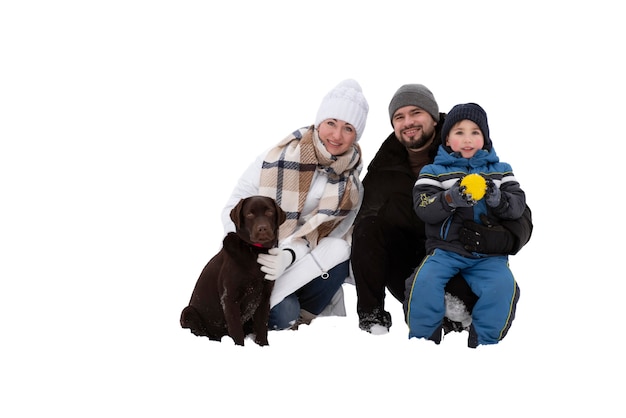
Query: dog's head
(257,219)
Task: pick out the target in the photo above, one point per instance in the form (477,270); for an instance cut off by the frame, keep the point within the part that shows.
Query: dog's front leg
(262,314)
(232,313)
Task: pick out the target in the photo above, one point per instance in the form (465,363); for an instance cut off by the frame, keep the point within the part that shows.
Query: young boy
(443,202)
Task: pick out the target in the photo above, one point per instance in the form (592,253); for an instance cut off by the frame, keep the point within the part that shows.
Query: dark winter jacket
(388,185)
(388,192)
(443,223)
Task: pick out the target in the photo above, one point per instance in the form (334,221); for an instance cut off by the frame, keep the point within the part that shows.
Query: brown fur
(231,296)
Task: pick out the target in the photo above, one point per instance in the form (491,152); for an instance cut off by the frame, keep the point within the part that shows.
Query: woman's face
(336,135)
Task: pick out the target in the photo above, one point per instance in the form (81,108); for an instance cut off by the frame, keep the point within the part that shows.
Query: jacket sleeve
(513,202)
(374,197)
(389,196)
(429,203)
(247,185)
(521,229)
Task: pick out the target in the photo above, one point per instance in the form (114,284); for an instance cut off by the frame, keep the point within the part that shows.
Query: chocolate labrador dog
(231,296)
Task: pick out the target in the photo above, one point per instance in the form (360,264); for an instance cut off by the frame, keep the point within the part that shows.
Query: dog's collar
(259,245)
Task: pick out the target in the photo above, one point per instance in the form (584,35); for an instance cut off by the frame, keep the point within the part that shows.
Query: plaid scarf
(286,176)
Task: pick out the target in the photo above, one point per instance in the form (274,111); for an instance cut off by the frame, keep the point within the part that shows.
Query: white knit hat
(347,103)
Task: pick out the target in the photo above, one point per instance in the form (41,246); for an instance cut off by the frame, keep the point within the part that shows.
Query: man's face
(413,126)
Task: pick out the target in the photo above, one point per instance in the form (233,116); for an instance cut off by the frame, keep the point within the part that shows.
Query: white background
(124,126)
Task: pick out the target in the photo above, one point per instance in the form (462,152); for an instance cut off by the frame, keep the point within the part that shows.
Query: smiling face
(466,138)
(413,126)
(336,135)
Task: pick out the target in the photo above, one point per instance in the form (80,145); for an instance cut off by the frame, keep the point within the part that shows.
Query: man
(388,237)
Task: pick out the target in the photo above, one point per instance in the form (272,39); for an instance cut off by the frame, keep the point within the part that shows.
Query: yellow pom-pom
(474,185)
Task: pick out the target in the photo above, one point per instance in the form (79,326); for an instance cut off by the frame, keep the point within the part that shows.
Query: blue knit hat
(469,111)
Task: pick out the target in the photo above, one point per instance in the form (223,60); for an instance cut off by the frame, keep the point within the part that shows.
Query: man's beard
(420,141)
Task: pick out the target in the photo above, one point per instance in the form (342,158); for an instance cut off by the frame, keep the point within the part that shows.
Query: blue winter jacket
(443,223)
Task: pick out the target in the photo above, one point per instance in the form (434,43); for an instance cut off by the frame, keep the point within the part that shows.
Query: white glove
(274,263)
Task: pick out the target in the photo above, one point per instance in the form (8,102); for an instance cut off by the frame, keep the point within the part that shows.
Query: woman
(313,174)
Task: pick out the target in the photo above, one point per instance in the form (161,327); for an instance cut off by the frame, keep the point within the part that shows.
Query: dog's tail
(191,319)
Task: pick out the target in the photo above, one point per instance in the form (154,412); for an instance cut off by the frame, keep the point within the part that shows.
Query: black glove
(455,196)
(488,238)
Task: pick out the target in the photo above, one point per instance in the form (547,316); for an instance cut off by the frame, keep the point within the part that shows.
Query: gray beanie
(414,95)
(345,102)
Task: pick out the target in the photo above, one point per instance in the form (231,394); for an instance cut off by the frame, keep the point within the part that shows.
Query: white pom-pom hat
(347,103)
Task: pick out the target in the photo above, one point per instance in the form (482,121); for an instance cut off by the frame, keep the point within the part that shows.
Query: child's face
(465,137)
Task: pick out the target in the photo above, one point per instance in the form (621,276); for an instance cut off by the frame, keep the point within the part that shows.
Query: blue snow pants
(490,279)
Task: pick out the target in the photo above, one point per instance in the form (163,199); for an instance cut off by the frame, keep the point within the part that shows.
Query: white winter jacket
(330,251)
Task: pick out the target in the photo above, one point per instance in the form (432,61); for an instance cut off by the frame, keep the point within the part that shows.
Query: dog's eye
(249,215)
(269,213)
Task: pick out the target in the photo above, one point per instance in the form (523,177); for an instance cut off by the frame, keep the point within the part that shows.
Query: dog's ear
(235,214)
(281,216)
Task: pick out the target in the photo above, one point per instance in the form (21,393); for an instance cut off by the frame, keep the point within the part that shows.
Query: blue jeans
(312,297)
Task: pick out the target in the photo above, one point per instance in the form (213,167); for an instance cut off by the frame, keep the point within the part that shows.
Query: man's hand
(489,238)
